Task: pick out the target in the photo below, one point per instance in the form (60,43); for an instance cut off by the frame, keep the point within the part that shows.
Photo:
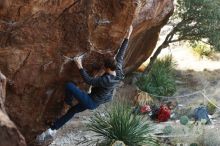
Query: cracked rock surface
(35,35)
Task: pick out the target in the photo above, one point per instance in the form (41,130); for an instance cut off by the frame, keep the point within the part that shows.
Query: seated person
(163,113)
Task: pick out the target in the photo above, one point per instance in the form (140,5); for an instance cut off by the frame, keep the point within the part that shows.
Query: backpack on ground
(201,113)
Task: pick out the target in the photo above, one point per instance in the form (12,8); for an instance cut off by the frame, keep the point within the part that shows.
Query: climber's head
(110,64)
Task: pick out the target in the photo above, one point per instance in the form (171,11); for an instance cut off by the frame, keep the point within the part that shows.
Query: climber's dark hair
(110,62)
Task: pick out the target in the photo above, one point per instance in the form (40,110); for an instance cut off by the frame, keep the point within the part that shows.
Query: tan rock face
(9,135)
(35,35)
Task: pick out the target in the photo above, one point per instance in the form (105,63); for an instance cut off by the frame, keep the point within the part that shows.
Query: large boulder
(37,34)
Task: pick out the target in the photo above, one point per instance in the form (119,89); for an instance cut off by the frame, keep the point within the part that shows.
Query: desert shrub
(160,80)
(202,49)
(184,120)
(143,98)
(193,144)
(211,108)
(117,123)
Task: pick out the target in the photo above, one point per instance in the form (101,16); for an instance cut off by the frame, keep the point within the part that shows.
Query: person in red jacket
(162,114)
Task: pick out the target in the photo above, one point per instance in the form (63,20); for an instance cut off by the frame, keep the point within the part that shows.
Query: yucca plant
(117,123)
(160,80)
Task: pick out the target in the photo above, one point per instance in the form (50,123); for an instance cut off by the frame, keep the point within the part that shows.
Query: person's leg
(72,91)
(154,114)
(65,118)
(68,95)
(49,134)
(85,102)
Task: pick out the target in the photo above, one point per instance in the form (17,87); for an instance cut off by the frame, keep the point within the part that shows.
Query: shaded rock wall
(35,35)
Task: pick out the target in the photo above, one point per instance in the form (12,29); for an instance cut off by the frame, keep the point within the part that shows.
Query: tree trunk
(165,43)
(153,58)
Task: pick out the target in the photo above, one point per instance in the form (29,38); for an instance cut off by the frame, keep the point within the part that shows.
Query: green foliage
(202,49)
(211,108)
(117,123)
(184,120)
(160,80)
(197,20)
(168,130)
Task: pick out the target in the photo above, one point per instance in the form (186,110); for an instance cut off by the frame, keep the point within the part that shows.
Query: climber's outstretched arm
(121,53)
(94,81)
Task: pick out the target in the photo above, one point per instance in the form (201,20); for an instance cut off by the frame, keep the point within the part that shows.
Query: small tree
(193,20)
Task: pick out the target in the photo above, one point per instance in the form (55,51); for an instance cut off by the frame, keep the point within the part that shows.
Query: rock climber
(101,92)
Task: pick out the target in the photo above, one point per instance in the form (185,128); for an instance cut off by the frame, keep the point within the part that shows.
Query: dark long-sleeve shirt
(103,86)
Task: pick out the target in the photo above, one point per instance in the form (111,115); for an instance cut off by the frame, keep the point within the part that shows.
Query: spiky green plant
(117,123)
(160,80)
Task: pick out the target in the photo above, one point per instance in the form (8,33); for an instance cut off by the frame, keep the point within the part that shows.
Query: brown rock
(35,34)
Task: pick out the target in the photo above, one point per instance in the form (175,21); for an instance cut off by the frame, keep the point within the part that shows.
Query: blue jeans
(85,102)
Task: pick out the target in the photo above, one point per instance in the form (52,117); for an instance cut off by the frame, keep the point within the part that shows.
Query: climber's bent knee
(69,85)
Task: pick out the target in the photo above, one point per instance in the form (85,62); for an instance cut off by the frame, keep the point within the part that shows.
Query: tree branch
(165,43)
